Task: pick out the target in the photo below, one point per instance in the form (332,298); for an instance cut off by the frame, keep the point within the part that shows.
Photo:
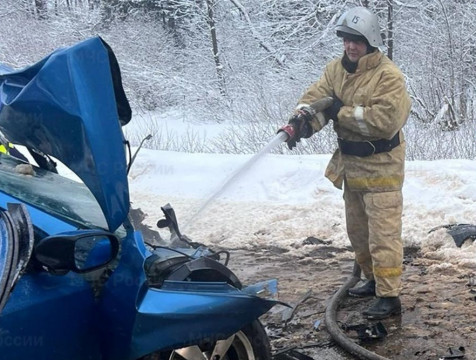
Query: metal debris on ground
(289,313)
(291,354)
(368,332)
(459,232)
(454,353)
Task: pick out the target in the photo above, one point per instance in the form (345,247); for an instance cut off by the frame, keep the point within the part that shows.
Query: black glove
(332,111)
(301,123)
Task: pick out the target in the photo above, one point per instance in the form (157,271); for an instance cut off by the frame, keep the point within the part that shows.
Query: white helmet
(359,21)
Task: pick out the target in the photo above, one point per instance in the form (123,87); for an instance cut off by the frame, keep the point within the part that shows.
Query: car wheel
(250,343)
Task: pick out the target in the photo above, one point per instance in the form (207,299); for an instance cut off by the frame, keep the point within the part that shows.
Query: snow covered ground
(280,200)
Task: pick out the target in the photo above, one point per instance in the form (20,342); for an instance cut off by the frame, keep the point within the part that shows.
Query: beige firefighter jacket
(376,106)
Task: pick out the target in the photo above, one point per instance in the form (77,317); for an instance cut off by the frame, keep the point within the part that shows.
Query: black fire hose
(334,329)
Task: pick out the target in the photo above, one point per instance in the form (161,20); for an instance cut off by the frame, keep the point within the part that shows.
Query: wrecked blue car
(77,280)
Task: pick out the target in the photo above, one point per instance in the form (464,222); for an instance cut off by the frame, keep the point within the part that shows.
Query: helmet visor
(342,30)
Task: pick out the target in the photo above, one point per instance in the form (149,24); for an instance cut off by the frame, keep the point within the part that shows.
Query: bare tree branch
(269,48)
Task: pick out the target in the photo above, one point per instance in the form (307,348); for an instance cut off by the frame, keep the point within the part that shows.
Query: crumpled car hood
(71,105)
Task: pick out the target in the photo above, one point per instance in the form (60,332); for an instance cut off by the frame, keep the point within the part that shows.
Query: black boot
(368,289)
(383,308)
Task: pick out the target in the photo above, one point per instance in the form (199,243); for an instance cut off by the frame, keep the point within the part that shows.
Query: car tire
(250,343)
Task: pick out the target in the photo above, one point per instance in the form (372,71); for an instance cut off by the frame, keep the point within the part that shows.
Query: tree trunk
(390,29)
(41,9)
(216,53)
(453,120)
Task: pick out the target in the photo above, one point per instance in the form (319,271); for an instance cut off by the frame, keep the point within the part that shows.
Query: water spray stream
(278,139)
(288,131)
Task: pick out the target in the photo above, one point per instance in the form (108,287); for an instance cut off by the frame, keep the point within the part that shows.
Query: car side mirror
(78,251)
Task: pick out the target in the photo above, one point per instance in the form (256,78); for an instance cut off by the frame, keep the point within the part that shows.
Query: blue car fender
(183,313)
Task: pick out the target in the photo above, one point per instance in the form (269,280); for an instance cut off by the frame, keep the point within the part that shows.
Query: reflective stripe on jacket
(376,106)
(3,148)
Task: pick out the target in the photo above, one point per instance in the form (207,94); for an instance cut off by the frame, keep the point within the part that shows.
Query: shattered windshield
(59,196)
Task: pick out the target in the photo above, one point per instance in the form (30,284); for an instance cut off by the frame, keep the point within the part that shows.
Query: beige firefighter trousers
(374,227)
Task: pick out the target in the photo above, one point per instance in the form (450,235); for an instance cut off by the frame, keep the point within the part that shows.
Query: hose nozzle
(288,130)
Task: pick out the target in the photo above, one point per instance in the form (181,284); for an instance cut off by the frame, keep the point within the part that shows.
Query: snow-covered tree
(247,61)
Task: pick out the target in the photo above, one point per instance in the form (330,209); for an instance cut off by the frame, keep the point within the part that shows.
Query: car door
(43,316)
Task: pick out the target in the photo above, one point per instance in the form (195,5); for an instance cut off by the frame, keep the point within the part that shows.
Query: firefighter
(370,106)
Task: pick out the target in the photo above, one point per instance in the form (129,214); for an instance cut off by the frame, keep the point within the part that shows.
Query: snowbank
(281,200)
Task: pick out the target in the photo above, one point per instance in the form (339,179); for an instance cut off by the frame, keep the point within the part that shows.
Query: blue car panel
(50,317)
(214,311)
